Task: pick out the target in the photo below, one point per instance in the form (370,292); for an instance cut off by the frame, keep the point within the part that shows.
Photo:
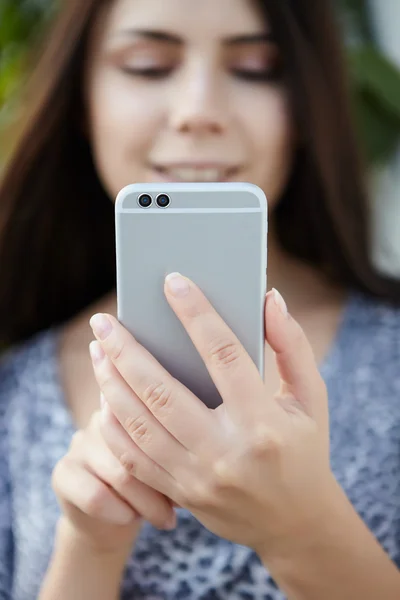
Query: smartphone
(213,233)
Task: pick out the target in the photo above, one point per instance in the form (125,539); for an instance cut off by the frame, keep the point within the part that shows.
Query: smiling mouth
(196,174)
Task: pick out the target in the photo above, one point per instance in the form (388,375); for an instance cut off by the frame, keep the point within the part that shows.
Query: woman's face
(183,90)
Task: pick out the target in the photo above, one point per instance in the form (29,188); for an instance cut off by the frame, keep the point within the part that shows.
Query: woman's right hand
(103,505)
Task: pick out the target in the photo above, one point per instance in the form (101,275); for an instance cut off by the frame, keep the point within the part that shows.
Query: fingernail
(96,352)
(170,523)
(102,400)
(101,326)
(177,285)
(280,303)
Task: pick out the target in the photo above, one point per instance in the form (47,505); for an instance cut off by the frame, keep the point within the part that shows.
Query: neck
(305,290)
(302,285)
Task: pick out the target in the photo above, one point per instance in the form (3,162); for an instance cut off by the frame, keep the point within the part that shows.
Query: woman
(229,504)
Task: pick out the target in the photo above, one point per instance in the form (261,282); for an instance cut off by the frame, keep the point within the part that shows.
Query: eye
(254,64)
(149,72)
(150,62)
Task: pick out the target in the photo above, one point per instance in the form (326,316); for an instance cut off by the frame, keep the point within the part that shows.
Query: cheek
(273,144)
(123,123)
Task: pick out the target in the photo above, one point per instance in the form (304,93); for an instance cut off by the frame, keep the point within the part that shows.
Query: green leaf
(375,79)
(356,12)
(378,130)
(11,74)
(378,75)
(17,23)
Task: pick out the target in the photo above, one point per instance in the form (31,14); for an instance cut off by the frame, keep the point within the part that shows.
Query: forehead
(187,18)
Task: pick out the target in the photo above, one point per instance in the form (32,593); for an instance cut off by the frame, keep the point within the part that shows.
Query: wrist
(311,530)
(72,541)
(80,570)
(337,558)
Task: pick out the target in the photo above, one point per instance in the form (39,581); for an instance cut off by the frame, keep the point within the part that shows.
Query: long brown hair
(56,221)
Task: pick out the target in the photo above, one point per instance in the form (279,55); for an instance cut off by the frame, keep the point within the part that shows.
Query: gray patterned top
(362,372)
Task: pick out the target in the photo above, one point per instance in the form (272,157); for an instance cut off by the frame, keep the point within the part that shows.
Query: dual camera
(162,200)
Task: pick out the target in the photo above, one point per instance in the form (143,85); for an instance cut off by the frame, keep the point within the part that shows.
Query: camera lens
(163,200)
(145,200)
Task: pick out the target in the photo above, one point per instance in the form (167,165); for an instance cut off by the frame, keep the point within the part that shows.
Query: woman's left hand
(255,470)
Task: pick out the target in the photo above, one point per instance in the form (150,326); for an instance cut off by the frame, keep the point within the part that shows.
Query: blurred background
(370,32)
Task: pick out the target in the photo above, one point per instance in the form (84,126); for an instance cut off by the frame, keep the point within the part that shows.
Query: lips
(196,173)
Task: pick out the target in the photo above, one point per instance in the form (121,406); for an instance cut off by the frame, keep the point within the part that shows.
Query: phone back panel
(215,234)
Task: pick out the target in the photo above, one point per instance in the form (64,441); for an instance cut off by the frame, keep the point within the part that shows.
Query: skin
(201,111)
(216,463)
(255,470)
(196,112)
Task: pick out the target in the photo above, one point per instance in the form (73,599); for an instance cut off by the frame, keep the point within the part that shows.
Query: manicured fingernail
(177,285)
(101,326)
(96,352)
(102,400)
(279,301)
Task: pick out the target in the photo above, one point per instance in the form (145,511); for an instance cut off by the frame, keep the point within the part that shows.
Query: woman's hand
(102,503)
(255,470)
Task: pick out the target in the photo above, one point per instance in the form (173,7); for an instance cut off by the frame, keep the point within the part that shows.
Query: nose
(198,104)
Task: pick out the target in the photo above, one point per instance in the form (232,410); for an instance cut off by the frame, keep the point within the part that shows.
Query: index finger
(231,368)
(180,412)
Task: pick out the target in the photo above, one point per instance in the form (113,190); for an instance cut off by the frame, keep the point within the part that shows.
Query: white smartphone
(213,233)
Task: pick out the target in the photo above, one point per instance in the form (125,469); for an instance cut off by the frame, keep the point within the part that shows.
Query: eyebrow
(162,36)
(256,38)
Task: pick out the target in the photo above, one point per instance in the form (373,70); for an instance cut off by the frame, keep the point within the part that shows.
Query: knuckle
(266,443)
(117,348)
(57,475)
(123,478)
(105,378)
(138,429)
(60,473)
(129,464)
(78,446)
(77,440)
(224,476)
(158,397)
(224,352)
(96,498)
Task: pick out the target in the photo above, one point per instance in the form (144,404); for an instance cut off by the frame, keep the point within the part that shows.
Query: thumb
(295,359)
